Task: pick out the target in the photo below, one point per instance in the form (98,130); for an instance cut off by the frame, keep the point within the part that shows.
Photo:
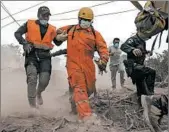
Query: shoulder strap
(160,39)
(70,27)
(74,32)
(93,31)
(152,48)
(167,39)
(153,45)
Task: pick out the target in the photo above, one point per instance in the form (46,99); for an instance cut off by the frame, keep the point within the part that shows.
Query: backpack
(149,22)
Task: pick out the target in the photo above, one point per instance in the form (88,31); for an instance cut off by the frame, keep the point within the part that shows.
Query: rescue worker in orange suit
(37,46)
(83,40)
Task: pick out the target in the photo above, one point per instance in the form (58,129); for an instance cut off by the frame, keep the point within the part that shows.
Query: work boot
(39,99)
(32,102)
(92,120)
(113,87)
(122,84)
(139,106)
(73,107)
(151,113)
(34,111)
(72,102)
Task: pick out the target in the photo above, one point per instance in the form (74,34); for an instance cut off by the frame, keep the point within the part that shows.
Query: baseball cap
(44,10)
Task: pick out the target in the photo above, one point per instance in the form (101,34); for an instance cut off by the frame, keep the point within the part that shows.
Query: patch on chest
(130,41)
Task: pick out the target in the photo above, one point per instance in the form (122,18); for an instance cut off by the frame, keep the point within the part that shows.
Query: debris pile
(117,112)
(122,109)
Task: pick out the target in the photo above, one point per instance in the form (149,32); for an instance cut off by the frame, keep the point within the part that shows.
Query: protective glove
(27,47)
(137,52)
(101,65)
(62,36)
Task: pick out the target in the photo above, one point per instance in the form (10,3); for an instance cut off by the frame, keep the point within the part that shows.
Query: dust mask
(43,22)
(116,45)
(85,24)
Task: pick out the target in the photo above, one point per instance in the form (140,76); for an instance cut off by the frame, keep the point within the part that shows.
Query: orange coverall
(81,45)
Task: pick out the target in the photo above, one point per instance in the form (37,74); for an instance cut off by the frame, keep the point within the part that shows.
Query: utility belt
(38,53)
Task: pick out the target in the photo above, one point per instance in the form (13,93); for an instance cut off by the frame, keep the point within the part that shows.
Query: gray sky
(120,25)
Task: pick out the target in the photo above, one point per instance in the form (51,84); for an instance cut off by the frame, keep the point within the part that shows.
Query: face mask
(116,45)
(43,22)
(85,24)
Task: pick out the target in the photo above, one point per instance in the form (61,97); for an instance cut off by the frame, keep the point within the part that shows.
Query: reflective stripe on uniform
(82,101)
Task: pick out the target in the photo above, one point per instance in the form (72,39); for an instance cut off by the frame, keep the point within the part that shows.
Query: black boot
(73,107)
(139,103)
(72,102)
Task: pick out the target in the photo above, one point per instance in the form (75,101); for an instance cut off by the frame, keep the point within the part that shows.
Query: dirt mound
(49,124)
(122,108)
